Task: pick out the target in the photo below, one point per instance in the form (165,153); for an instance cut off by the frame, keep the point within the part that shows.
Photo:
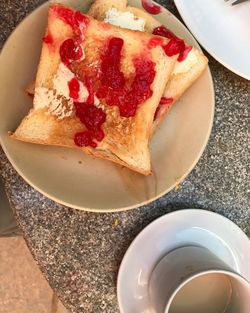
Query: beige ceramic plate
(75,179)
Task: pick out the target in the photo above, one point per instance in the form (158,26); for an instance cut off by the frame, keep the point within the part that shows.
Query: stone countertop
(79,253)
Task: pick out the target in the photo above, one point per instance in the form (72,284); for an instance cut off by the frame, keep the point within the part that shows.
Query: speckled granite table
(79,253)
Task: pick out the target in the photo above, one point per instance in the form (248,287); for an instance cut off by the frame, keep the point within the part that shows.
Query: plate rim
(154,223)
(205,46)
(140,204)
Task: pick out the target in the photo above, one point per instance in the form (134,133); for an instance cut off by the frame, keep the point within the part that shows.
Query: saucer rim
(151,225)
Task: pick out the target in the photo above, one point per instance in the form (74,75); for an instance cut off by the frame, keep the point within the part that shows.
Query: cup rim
(201,273)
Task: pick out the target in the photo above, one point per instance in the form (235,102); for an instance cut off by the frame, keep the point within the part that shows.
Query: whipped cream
(124,19)
(61,79)
(58,100)
(60,82)
(46,98)
(42,97)
(184,66)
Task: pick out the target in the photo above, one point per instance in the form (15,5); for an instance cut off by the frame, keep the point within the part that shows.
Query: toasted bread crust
(126,139)
(60,134)
(177,84)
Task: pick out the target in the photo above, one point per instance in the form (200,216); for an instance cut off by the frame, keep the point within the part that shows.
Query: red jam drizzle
(163,31)
(84,139)
(175,45)
(70,51)
(154,42)
(184,53)
(48,39)
(89,83)
(150,7)
(73,18)
(111,86)
(115,90)
(166,100)
(74,88)
(111,74)
(164,105)
(93,118)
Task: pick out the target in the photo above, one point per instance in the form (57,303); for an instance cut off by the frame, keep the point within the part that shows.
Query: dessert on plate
(106,80)
(190,63)
(97,88)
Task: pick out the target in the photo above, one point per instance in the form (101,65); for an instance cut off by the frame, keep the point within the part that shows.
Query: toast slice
(97,89)
(185,73)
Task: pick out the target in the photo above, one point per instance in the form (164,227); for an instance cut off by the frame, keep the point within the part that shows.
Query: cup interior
(211,292)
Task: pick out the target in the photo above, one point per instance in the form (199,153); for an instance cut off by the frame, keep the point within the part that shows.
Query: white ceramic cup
(193,280)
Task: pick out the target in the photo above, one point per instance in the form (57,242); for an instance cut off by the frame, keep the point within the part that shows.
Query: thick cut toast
(97,89)
(185,72)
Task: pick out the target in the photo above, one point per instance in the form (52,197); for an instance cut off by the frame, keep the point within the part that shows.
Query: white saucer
(187,227)
(222,29)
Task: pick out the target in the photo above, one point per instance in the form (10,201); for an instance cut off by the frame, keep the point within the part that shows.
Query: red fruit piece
(164,105)
(74,87)
(70,17)
(150,7)
(84,139)
(48,39)
(166,100)
(164,32)
(70,51)
(174,46)
(111,73)
(93,117)
(184,53)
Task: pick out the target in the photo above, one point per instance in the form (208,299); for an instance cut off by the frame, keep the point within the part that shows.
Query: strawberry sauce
(74,88)
(151,7)
(127,93)
(115,89)
(75,19)
(164,105)
(48,39)
(175,45)
(70,51)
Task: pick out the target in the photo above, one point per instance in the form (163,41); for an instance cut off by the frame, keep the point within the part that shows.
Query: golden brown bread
(54,122)
(178,83)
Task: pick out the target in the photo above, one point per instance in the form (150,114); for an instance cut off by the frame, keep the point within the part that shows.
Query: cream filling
(124,19)
(58,100)
(184,66)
